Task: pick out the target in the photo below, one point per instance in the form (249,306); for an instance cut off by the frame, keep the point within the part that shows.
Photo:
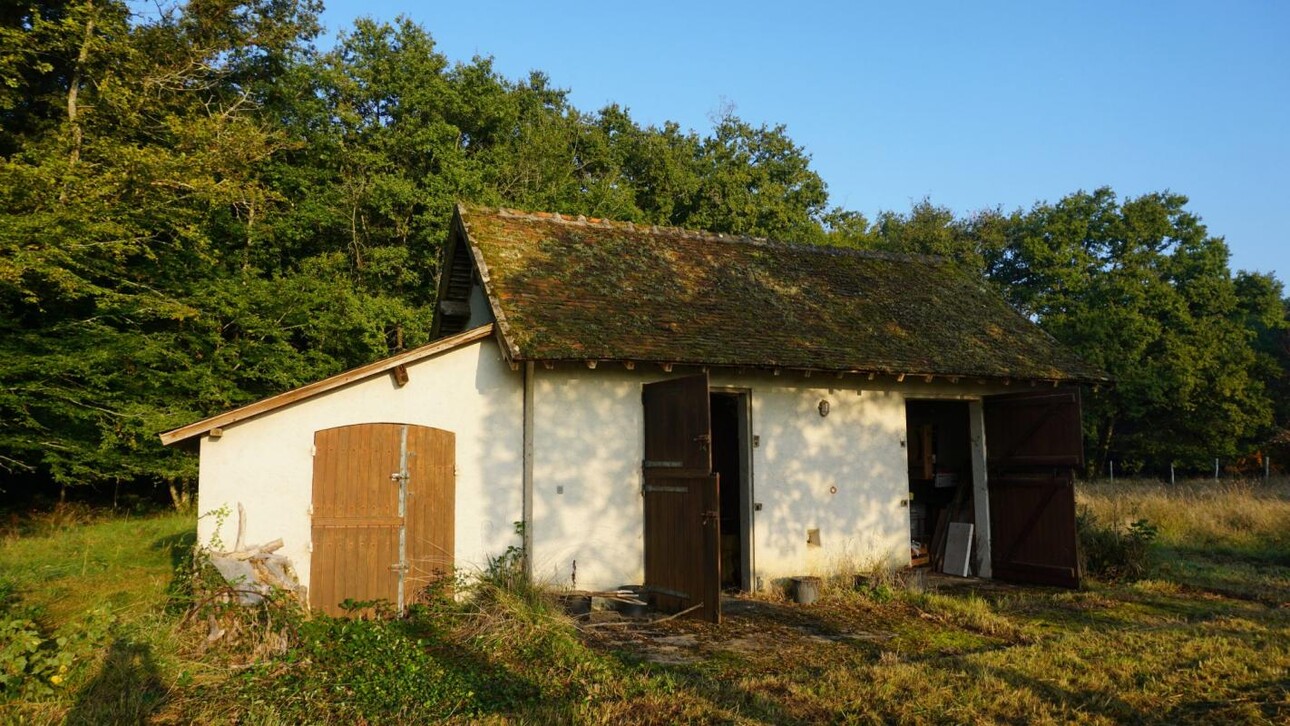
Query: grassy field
(1203,637)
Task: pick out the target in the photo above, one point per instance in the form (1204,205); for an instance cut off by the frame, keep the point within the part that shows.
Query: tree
(929,229)
(110,215)
(1266,314)
(754,180)
(1141,289)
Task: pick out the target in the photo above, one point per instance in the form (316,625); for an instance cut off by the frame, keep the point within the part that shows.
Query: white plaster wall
(844,474)
(266,463)
(589,441)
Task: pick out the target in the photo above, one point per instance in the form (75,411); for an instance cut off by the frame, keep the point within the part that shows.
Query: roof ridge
(686,233)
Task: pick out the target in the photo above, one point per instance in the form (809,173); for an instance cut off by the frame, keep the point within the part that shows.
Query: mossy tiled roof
(576,289)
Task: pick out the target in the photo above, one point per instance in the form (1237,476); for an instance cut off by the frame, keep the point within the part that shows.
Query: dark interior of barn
(940,473)
(727,462)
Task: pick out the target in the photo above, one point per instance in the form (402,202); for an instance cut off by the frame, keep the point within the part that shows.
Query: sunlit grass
(1242,515)
(1230,536)
(118,571)
(1202,639)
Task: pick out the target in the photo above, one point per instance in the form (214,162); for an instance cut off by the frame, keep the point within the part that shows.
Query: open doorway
(731,463)
(940,475)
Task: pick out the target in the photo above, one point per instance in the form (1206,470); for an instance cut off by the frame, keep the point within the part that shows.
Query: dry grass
(1205,639)
(1230,537)
(1239,514)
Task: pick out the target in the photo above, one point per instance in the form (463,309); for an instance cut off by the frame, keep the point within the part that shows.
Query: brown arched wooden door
(384,499)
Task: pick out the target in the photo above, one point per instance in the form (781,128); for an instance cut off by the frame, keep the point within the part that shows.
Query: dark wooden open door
(383,512)
(682,509)
(1034,444)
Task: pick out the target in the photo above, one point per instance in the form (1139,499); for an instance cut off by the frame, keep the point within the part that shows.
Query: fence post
(1267,469)
(1111,463)
(1215,469)
(1171,473)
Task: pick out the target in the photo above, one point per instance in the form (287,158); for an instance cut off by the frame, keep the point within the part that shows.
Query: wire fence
(1236,472)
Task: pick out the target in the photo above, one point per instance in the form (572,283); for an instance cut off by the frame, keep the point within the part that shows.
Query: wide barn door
(682,509)
(383,507)
(1034,445)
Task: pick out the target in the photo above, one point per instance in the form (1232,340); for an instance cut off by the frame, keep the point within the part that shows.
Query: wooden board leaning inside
(940,480)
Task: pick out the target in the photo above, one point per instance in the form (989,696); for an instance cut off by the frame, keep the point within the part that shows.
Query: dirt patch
(749,627)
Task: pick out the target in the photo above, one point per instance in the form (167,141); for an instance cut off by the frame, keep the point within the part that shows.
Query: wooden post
(1111,463)
(980,488)
(1267,469)
(1215,469)
(1171,473)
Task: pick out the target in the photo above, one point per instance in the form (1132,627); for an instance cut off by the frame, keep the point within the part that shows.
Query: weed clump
(1112,551)
(35,660)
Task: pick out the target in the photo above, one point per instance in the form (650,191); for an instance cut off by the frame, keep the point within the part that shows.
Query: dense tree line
(202,208)
(1138,286)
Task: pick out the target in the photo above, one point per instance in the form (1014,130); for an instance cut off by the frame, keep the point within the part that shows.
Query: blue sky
(972,104)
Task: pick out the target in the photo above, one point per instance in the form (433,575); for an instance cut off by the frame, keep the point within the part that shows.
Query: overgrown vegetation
(1231,537)
(1114,551)
(1201,636)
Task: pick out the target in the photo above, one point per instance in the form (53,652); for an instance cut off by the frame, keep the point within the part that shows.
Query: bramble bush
(1114,552)
(34,662)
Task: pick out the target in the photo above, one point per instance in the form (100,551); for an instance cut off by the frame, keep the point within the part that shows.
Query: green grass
(1203,638)
(104,586)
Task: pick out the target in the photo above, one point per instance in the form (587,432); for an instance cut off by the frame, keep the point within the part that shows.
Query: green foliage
(1139,288)
(1175,649)
(507,570)
(200,208)
(372,670)
(35,662)
(1112,551)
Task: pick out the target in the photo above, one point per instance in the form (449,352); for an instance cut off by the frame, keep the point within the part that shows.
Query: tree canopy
(202,208)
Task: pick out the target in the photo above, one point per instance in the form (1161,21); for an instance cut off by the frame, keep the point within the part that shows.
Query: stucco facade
(266,463)
(844,474)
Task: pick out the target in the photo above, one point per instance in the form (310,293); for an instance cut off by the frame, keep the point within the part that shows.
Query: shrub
(1115,552)
(360,670)
(35,662)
